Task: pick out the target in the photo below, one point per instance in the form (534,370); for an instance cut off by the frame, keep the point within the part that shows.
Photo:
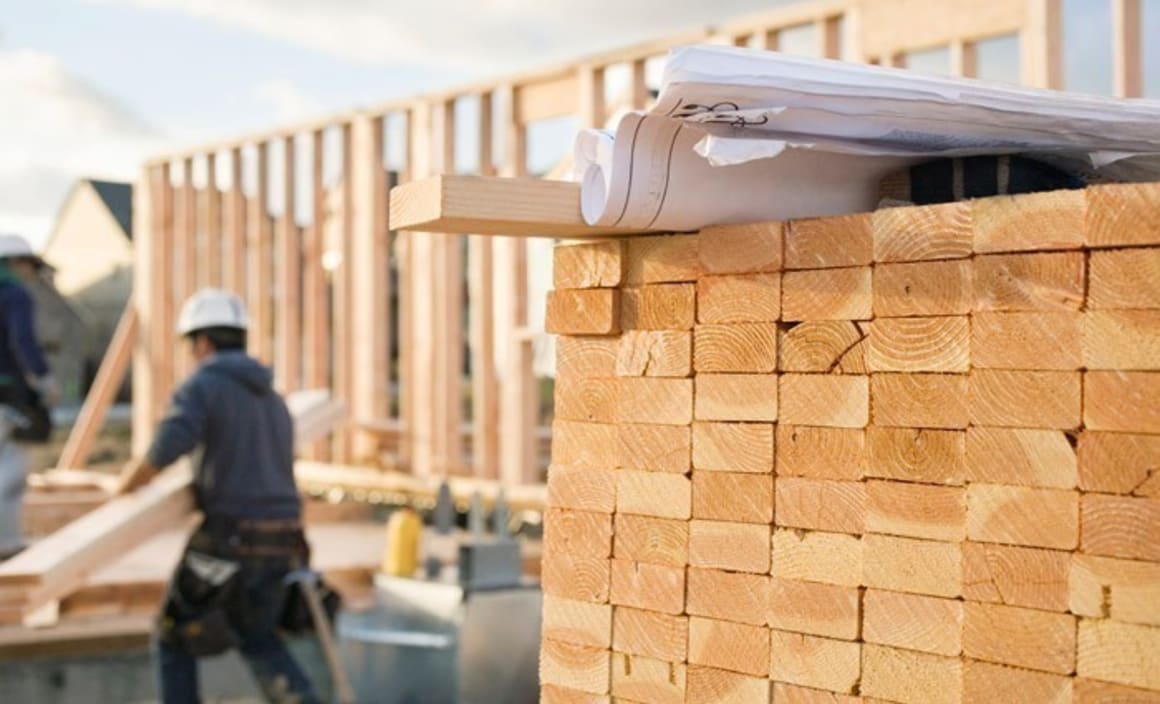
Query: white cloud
(480,35)
(286,100)
(54,129)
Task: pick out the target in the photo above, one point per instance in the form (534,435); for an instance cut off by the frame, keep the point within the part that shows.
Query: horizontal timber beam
(491,205)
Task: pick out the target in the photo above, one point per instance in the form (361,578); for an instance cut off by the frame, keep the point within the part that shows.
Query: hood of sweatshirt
(242,368)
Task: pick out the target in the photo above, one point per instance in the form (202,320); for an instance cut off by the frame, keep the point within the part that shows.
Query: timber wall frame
(204,217)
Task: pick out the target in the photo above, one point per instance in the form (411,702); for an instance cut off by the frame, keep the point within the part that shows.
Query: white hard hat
(16,247)
(212,308)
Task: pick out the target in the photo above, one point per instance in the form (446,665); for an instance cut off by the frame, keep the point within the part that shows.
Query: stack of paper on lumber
(55,566)
(906,456)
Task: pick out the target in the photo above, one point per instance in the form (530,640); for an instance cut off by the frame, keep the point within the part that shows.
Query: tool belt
(30,418)
(278,539)
(205,600)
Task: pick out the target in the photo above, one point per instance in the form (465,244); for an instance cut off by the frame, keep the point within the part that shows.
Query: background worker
(228,590)
(25,382)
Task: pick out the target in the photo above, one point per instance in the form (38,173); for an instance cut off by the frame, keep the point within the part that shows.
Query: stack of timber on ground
(905,456)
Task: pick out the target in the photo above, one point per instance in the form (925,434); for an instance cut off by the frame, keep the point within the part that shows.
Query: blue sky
(193,76)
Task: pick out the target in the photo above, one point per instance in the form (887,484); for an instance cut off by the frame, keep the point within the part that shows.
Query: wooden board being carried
(54,567)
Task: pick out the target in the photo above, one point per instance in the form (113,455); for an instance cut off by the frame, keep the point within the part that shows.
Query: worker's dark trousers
(278,675)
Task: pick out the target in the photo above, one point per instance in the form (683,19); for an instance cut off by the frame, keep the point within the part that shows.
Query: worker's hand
(136,474)
(48,390)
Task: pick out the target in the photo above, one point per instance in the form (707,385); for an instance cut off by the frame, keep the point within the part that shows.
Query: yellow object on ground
(401,558)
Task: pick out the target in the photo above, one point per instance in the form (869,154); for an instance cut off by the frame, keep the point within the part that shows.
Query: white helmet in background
(16,247)
(212,308)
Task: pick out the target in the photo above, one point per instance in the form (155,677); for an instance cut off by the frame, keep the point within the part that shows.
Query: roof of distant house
(118,198)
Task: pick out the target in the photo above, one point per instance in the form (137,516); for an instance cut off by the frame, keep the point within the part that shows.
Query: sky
(89,88)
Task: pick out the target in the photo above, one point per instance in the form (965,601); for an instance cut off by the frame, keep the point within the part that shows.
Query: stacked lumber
(907,456)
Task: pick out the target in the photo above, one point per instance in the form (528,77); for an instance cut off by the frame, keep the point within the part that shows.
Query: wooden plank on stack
(646,586)
(815,662)
(897,675)
(826,294)
(591,311)
(1013,282)
(923,233)
(831,401)
(588,265)
(740,547)
(1038,221)
(919,400)
(654,447)
(815,556)
(1011,635)
(638,678)
(830,243)
(1118,463)
(1124,279)
(741,249)
(659,541)
(752,298)
(981,680)
(733,496)
(655,353)
(735,348)
(650,633)
(821,453)
(665,259)
(923,288)
(576,667)
(816,609)
(736,647)
(923,623)
(1027,340)
(917,455)
(823,346)
(736,447)
(739,397)
(1028,457)
(658,307)
(1016,576)
(577,622)
(1124,590)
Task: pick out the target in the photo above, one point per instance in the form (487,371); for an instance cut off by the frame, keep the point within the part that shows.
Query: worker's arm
(181,430)
(20,322)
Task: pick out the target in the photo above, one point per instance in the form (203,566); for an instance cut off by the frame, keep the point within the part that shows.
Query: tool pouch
(198,608)
(30,419)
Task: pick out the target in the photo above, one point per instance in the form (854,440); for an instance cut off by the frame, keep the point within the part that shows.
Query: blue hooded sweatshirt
(244,436)
(20,353)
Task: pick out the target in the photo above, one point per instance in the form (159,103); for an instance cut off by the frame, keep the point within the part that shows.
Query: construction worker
(229,588)
(26,387)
